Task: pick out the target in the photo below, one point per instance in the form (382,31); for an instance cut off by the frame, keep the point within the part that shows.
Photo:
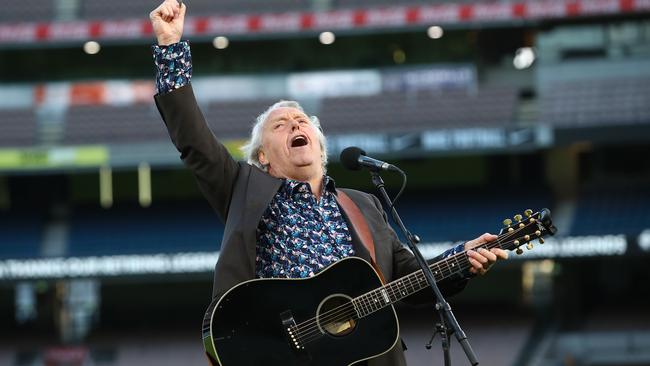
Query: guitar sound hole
(335,315)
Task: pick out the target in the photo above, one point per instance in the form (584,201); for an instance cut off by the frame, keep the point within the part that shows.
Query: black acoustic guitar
(342,315)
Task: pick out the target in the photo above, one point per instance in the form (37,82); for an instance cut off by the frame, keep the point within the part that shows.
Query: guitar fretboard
(456,264)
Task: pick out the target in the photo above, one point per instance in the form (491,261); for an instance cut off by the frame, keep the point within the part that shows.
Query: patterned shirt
(297,236)
(173,66)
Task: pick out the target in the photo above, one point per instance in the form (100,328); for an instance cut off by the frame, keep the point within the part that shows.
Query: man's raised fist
(167,21)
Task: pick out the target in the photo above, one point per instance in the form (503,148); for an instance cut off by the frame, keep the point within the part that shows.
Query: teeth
(299,140)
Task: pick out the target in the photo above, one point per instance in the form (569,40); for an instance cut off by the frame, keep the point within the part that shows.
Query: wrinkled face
(290,145)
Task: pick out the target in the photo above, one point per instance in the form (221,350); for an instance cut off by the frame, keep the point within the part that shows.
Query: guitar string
(456,256)
(306,328)
(308,337)
(346,312)
(326,317)
(316,333)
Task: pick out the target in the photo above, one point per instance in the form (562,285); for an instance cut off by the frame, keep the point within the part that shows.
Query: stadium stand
(98,9)
(235,119)
(445,216)
(93,124)
(386,112)
(495,342)
(597,102)
(51,10)
(193,227)
(21,235)
(612,211)
(157,229)
(419,111)
(27,10)
(18,127)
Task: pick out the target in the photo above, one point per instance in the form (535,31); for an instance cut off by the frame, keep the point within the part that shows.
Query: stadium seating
(99,9)
(27,10)
(193,227)
(18,127)
(108,124)
(386,112)
(158,229)
(21,235)
(417,111)
(235,119)
(448,216)
(612,211)
(597,102)
(49,10)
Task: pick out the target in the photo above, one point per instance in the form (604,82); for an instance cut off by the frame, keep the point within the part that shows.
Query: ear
(261,156)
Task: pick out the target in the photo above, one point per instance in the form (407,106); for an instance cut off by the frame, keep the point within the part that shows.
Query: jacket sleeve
(212,165)
(404,263)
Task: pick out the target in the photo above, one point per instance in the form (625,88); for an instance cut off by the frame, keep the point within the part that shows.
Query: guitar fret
(356,310)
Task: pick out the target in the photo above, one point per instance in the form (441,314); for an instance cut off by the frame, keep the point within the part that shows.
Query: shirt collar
(291,185)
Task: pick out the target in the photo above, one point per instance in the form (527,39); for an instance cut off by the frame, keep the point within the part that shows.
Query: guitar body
(248,325)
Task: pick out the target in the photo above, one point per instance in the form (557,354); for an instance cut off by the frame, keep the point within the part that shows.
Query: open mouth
(298,141)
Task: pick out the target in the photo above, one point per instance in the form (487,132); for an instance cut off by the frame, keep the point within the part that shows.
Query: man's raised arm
(210,162)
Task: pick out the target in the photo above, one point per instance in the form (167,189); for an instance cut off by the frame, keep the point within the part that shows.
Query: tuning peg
(518,218)
(538,233)
(527,237)
(541,240)
(528,212)
(510,229)
(519,251)
(521,225)
(529,246)
(507,222)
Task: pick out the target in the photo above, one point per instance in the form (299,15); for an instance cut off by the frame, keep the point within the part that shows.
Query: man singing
(282,212)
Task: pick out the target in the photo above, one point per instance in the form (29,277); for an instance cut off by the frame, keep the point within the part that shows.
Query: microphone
(354,158)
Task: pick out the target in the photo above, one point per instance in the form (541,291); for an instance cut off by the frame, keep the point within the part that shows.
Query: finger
(500,253)
(487,237)
(170,11)
(491,257)
(157,12)
(476,265)
(477,257)
(182,11)
(162,12)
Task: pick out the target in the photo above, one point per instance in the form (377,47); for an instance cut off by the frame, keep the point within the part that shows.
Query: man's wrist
(167,41)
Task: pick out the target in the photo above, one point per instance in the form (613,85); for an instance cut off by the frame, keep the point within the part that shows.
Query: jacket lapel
(261,189)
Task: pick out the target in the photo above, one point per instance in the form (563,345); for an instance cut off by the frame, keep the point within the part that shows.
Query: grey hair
(253,146)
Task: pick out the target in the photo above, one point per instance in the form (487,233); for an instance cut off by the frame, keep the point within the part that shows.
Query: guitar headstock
(522,230)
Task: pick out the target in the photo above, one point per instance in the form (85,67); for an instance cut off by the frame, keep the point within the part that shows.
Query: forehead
(284,113)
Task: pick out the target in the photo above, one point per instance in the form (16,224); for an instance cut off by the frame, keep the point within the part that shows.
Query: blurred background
(107,247)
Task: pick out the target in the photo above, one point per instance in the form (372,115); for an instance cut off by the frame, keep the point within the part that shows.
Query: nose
(295,125)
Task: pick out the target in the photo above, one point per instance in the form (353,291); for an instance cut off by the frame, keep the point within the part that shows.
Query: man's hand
(167,21)
(481,259)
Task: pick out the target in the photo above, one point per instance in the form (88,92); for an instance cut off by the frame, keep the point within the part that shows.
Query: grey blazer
(240,193)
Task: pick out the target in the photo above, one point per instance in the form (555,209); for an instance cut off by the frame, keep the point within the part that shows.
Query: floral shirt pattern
(173,66)
(298,236)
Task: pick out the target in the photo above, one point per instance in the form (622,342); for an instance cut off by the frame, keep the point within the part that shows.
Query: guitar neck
(410,284)
(510,238)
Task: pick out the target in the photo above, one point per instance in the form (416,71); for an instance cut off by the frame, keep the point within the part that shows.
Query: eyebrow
(284,118)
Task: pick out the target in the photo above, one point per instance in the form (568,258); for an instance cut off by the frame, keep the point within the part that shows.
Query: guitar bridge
(289,325)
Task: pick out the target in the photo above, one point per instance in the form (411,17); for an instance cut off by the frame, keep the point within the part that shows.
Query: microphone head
(350,157)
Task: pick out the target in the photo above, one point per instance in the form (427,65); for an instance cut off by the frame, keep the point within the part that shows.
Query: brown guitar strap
(360,226)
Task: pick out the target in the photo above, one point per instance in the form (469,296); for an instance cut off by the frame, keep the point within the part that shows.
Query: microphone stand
(443,307)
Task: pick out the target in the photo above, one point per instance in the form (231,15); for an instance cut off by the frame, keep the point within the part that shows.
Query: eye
(303,121)
(278,126)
